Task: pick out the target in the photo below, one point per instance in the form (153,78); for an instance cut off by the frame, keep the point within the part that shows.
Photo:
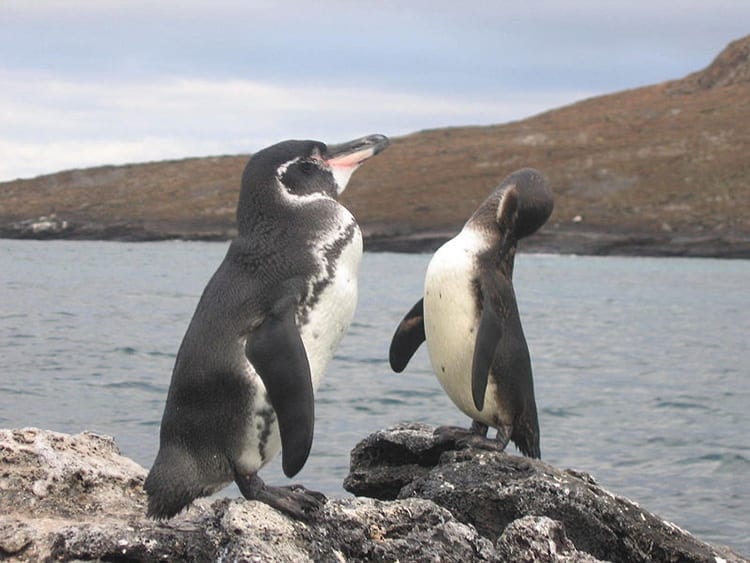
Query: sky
(92,82)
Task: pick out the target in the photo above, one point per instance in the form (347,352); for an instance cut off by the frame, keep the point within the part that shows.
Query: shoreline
(554,240)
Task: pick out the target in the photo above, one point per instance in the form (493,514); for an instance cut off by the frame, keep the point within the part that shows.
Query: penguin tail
(529,449)
(526,436)
(172,484)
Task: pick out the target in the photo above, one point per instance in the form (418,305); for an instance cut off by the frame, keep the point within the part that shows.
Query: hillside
(660,170)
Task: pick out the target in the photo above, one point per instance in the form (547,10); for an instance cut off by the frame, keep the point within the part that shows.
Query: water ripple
(138,385)
(560,412)
(680,404)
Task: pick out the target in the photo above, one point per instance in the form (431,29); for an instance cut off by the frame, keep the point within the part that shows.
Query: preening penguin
(264,332)
(469,316)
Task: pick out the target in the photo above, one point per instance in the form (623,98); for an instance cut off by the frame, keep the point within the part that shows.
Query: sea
(641,365)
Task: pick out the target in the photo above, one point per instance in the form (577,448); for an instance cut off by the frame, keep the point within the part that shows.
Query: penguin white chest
(332,308)
(451,319)
(322,324)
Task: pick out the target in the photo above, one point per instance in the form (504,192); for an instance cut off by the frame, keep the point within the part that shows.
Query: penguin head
(300,171)
(324,169)
(525,204)
(518,207)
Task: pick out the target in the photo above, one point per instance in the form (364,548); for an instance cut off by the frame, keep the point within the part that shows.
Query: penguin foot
(454,437)
(294,500)
(474,437)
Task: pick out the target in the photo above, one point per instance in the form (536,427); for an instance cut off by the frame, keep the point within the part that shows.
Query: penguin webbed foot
(295,501)
(474,437)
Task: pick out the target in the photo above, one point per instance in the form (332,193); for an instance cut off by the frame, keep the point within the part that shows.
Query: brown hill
(662,169)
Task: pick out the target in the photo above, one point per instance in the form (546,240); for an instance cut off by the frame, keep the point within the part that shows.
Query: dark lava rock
(494,491)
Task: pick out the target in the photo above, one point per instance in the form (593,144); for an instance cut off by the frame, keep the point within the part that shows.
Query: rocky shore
(74,497)
(551,240)
(587,242)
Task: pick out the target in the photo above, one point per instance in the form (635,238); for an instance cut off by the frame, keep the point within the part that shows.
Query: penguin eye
(307,167)
(305,176)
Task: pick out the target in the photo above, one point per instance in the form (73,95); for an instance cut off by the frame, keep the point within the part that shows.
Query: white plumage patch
(334,307)
(321,332)
(262,440)
(451,320)
(281,170)
(342,175)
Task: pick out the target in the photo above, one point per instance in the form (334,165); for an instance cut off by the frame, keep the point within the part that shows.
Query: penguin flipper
(502,353)
(489,333)
(278,355)
(408,337)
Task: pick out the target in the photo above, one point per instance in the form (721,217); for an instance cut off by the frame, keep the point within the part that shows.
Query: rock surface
(66,497)
(495,491)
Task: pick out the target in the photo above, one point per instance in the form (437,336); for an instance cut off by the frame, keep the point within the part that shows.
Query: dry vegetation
(664,163)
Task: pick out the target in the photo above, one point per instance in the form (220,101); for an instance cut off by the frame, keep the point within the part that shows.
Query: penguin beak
(345,158)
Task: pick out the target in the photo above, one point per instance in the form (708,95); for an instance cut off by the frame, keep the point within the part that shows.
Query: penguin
(469,318)
(263,332)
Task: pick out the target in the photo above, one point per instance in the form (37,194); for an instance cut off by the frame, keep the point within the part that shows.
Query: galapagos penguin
(470,321)
(263,332)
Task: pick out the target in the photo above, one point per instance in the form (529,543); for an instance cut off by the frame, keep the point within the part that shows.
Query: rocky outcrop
(66,497)
(497,493)
(730,67)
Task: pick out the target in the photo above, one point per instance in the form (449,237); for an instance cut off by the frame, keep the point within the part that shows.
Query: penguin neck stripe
(281,170)
(297,198)
(500,204)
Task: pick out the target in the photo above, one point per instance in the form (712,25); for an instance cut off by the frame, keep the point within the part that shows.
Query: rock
(66,498)
(538,539)
(48,226)
(494,491)
(730,67)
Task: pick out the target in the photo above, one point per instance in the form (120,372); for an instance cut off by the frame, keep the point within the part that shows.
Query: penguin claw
(309,492)
(482,443)
(451,436)
(295,501)
(465,438)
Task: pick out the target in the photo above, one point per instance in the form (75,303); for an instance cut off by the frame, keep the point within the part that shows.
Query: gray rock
(49,226)
(491,490)
(538,539)
(75,498)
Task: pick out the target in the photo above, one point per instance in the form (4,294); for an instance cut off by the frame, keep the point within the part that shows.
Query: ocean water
(641,365)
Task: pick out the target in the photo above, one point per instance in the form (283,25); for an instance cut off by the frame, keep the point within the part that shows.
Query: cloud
(87,82)
(417,45)
(48,123)
(25,160)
